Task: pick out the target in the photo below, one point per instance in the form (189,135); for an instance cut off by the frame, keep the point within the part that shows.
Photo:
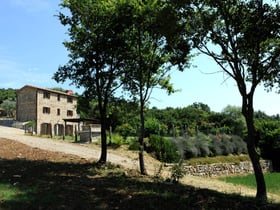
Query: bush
(190,149)
(154,126)
(216,146)
(197,146)
(202,145)
(227,145)
(177,172)
(117,139)
(133,143)
(163,149)
(240,146)
(125,130)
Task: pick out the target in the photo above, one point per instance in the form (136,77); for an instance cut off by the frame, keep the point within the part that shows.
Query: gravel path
(81,150)
(127,159)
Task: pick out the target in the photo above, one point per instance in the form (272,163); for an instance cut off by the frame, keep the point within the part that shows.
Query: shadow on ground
(49,185)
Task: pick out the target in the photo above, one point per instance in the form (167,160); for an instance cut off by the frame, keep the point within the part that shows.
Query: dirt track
(85,152)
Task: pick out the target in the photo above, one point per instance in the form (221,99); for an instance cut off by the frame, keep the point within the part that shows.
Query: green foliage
(125,130)
(133,143)
(164,149)
(269,140)
(117,140)
(153,126)
(9,107)
(177,172)
(7,94)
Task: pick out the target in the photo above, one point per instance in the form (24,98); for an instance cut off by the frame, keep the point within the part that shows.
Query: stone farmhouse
(46,110)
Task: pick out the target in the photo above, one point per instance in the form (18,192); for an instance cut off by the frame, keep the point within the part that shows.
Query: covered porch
(86,128)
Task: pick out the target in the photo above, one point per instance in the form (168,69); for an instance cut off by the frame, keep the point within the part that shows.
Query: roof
(45,89)
(82,120)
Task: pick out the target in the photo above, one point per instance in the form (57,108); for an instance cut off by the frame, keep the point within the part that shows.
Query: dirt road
(127,159)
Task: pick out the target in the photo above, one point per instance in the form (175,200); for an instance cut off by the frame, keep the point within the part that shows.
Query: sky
(31,51)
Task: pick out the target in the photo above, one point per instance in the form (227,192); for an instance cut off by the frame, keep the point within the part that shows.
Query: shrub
(227,145)
(125,130)
(133,143)
(117,139)
(215,146)
(177,172)
(240,146)
(154,126)
(202,145)
(163,149)
(190,150)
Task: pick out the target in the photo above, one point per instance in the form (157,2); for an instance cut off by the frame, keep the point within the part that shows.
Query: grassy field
(272,181)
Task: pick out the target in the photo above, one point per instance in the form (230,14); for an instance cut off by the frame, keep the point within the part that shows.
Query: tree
(245,35)
(9,107)
(8,93)
(269,140)
(234,119)
(95,49)
(151,50)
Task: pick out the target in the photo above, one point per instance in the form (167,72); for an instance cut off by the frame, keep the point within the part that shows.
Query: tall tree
(95,46)
(151,54)
(246,39)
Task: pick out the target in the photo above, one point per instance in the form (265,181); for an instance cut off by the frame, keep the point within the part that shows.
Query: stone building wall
(26,105)
(58,110)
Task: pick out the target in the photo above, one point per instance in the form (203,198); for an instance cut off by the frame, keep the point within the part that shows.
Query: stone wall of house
(58,106)
(224,169)
(26,105)
(47,108)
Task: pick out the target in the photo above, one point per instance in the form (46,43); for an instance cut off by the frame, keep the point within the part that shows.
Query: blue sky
(31,51)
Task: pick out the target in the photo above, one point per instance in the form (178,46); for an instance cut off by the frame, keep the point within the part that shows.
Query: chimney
(69,92)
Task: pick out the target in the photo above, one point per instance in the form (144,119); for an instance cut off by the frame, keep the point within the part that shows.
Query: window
(58,112)
(58,97)
(47,95)
(69,113)
(46,110)
(69,99)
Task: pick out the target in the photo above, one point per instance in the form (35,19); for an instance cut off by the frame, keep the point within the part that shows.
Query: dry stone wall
(224,169)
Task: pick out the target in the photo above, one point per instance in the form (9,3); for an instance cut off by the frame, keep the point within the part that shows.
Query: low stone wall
(223,169)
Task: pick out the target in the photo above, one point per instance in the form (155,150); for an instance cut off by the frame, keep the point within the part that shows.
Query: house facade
(46,109)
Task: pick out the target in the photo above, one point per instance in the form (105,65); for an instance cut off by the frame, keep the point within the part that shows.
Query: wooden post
(64,130)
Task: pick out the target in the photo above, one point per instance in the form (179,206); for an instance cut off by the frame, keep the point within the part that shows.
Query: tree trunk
(141,141)
(248,112)
(103,157)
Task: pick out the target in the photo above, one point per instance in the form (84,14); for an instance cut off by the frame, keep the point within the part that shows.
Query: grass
(218,159)
(272,181)
(44,185)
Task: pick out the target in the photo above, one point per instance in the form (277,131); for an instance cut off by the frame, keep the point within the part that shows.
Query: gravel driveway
(92,152)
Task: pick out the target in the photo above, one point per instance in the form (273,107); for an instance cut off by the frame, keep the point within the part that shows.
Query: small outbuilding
(88,129)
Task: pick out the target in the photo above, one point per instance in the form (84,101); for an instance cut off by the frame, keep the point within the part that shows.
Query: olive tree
(96,46)
(151,40)
(243,38)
